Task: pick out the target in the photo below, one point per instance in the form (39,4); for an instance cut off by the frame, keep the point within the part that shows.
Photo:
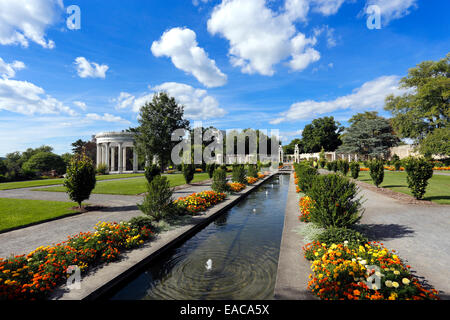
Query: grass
(50,182)
(16,213)
(132,186)
(438,189)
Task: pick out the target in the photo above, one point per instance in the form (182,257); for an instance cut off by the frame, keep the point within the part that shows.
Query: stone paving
(117,208)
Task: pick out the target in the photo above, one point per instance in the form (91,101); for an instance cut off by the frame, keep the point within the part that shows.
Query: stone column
(103,153)
(113,160)
(120,160)
(135,160)
(99,154)
(124,158)
(107,157)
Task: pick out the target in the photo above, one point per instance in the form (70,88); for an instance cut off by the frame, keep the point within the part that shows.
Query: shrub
(343,166)
(354,169)
(80,179)
(397,165)
(418,171)
(332,166)
(219,181)
(188,172)
(329,166)
(340,235)
(239,174)
(252,171)
(102,169)
(376,171)
(158,202)
(152,171)
(335,202)
(141,221)
(210,169)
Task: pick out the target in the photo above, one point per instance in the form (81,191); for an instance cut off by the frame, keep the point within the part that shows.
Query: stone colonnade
(108,143)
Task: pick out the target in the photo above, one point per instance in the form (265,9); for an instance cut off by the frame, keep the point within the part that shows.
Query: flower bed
(364,169)
(261,175)
(305,204)
(391,168)
(252,180)
(340,271)
(35,275)
(200,201)
(235,186)
(441,168)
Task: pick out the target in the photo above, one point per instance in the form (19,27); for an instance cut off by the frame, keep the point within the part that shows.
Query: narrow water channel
(243,245)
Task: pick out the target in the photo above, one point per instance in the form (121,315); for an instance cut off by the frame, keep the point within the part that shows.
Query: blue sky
(233,64)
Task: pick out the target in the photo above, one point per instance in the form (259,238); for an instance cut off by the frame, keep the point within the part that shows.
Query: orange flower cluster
(364,169)
(251,180)
(198,170)
(200,201)
(306,203)
(235,186)
(341,271)
(391,168)
(35,275)
(261,175)
(441,168)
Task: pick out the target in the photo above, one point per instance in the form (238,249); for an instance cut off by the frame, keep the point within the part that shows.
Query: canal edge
(293,269)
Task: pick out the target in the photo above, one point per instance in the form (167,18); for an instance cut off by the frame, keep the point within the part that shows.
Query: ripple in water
(243,247)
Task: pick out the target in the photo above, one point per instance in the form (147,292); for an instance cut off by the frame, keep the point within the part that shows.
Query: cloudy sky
(233,64)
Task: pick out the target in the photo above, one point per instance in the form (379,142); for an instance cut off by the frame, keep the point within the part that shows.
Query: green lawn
(50,182)
(16,213)
(438,189)
(132,186)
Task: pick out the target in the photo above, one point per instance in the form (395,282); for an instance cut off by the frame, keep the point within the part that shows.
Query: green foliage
(210,169)
(368,134)
(219,181)
(102,169)
(339,235)
(80,178)
(418,171)
(252,171)
(290,148)
(437,143)
(332,166)
(142,221)
(354,169)
(188,172)
(305,176)
(158,203)
(239,174)
(45,162)
(376,171)
(152,171)
(321,133)
(322,160)
(343,166)
(335,202)
(425,106)
(158,119)
(89,148)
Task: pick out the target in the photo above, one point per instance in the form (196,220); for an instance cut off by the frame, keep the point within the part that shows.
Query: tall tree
(290,148)
(89,148)
(369,135)
(158,119)
(322,132)
(426,105)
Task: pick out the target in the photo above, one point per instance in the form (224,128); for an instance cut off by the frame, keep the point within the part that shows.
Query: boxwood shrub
(376,171)
(418,171)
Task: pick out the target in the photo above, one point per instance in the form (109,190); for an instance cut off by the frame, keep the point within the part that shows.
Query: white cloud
(260,38)
(106,117)
(392,9)
(80,105)
(370,95)
(198,105)
(181,46)
(87,69)
(26,98)
(22,21)
(327,7)
(8,70)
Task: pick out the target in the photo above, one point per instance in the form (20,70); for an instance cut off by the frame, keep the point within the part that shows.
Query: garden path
(419,233)
(117,208)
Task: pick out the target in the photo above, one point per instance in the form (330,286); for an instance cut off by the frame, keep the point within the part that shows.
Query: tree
(418,172)
(436,143)
(158,119)
(158,203)
(88,147)
(45,162)
(369,135)
(80,179)
(323,132)
(290,148)
(188,172)
(426,105)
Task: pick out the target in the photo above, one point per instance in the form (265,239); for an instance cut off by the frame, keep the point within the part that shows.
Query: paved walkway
(117,208)
(420,234)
